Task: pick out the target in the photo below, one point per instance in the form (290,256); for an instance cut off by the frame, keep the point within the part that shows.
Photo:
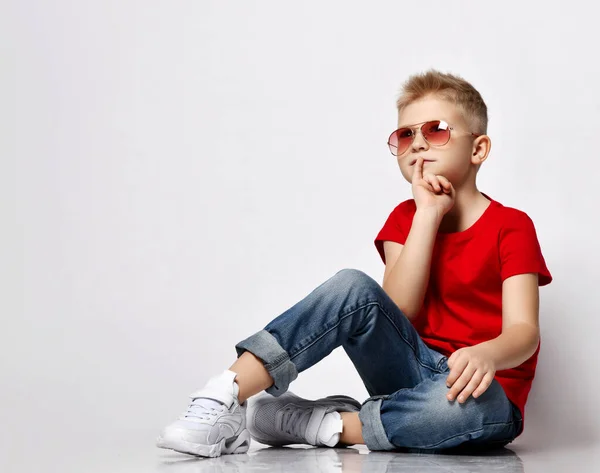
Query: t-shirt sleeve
(393,230)
(520,250)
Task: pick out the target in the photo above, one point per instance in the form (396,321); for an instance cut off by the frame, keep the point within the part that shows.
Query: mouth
(424,161)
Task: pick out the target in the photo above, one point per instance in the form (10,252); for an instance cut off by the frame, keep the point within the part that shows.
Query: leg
(422,420)
(252,377)
(352,429)
(351,310)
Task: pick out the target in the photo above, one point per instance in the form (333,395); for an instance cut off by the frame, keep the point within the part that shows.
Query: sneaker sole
(239,444)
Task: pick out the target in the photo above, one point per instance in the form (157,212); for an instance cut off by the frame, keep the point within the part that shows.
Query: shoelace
(291,421)
(199,411)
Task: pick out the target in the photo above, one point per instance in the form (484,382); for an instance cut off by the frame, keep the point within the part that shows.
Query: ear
(481,149)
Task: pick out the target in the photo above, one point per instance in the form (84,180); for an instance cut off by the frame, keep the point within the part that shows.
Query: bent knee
(355,277)
(434,422)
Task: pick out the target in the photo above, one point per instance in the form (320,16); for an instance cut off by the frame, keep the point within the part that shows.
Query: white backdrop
(176,174)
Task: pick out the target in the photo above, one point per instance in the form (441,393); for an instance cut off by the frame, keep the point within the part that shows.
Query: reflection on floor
(330,460)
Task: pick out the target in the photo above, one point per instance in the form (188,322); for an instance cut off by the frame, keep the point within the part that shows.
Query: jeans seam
(439,363)
(277,362)
(470,432)
(342,317)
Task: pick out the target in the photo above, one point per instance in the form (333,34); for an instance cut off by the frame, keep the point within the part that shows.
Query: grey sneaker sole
(352,405)
(238,444)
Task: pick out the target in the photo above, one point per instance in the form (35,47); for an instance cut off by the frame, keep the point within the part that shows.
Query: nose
(419,142)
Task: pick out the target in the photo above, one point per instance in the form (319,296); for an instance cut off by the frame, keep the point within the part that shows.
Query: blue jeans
(406,380)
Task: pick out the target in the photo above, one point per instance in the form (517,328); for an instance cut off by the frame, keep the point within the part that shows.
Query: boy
(446,347)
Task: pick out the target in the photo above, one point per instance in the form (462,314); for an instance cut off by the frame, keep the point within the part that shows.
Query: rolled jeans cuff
(373,432)
(276,360)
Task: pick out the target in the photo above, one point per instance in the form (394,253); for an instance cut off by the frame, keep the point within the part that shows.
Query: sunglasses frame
(419,126)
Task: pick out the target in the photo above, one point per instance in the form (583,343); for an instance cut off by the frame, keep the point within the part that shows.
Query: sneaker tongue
(208,403)
(220,388)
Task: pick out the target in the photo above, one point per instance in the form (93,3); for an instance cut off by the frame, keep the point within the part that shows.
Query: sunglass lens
(436,132)
(400,140)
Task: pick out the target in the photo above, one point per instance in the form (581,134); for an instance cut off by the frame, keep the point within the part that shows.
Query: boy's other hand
(430,191)
(472,371)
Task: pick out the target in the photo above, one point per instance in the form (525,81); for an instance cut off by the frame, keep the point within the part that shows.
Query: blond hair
(448,87)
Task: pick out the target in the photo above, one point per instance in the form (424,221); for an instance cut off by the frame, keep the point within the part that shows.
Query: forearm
(513,346)
(407,282)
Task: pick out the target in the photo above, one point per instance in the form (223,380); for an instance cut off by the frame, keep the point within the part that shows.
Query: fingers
(433,181)
(471,386)
(418,170)
(475,382)
(446,184)
(438,183)
(457,366)
(466,374)
(485,383)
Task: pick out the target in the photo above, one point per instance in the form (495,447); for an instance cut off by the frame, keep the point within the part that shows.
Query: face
(457,159)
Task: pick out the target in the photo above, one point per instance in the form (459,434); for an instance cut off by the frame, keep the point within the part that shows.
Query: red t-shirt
(463,301)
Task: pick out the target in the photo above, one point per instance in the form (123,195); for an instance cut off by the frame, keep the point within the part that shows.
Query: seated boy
(447,347)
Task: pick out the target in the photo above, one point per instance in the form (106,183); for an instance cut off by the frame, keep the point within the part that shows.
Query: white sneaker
(289,419)
(214,423)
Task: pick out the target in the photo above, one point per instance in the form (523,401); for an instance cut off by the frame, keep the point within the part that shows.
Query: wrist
(429,215)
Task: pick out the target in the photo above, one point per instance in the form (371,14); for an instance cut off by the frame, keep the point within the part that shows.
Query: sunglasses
(435,132)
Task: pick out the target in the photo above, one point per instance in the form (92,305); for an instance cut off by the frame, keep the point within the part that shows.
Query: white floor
(360,460)
(63,455)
